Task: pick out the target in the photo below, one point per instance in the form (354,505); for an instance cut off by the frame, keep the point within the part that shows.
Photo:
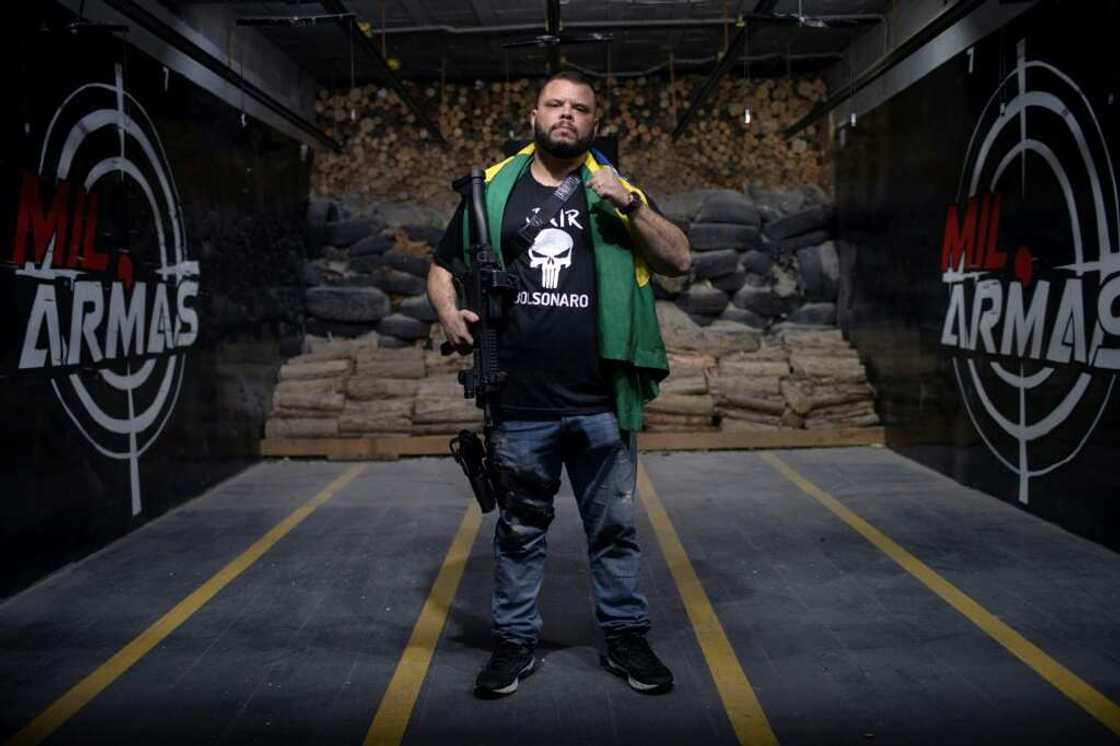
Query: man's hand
(454,320)
(606,184)
(455,327)
(663,246)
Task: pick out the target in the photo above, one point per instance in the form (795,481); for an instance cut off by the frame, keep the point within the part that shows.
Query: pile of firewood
(389,155)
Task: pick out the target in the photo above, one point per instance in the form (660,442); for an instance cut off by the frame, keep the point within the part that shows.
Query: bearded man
(583,352)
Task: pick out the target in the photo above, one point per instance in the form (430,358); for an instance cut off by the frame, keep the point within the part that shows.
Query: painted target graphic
(1032,262)
(129,314)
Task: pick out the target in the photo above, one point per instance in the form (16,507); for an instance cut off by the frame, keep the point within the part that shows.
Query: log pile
(388,155)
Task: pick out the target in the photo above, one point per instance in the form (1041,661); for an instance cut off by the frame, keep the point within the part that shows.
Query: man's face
(565,118)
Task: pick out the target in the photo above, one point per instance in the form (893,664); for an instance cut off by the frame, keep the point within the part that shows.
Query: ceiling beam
(919,39)
(171,36)
(734,48)
(366,45)
(552,28)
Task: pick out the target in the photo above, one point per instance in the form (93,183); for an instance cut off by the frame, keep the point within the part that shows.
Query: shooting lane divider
(1061,678)
(739,700)
(68,705)
(395,709)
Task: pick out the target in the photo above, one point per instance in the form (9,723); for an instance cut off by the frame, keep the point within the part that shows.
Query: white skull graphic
(552,252)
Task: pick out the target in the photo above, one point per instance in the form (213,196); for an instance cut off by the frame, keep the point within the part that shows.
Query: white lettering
(161,335)
(83,324)
(1108,357)
(43,308)
(186,320)
(1069,327)
(954,333)
(983,319)
(563,219)
(125,324)
(560,300)
(1025,328)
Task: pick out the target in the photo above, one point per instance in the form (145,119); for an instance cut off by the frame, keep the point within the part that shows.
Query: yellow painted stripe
(739,700)
(396,705)
(1060,677)
(66,706)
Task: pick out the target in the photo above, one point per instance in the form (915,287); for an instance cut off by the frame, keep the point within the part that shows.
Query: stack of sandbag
(827,387)
(442,409)
(367,276)
(380,393)
(311,392)
(726,225)
(747,387)
(685,403)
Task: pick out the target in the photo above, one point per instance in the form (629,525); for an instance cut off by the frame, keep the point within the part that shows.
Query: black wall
(899,171)
(237,197)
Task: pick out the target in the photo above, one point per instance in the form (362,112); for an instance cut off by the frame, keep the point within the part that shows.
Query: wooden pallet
(381,449)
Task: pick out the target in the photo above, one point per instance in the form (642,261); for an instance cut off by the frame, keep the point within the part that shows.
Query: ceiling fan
(553,36)
(809,21)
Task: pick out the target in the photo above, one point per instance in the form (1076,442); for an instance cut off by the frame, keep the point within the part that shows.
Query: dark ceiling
(465,38)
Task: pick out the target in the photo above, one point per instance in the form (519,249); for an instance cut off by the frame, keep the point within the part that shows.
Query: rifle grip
(449,349)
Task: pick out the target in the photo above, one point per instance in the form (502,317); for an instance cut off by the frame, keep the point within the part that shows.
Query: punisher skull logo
(551,252)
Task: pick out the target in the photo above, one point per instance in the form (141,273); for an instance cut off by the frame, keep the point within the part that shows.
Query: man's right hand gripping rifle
(488,290)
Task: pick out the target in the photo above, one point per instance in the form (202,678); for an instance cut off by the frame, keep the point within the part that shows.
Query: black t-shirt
(549,345)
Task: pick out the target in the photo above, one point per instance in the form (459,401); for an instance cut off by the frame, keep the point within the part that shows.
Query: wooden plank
(720,441)
(349,449)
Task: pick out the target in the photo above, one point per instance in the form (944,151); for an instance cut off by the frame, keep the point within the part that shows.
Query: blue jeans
(602,467)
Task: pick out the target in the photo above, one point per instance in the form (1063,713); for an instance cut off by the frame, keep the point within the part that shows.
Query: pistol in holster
(470,453)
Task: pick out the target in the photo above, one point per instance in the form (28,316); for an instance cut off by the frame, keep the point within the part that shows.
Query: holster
(470,452)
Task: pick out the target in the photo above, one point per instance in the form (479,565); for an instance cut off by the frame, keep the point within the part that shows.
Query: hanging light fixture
(350,36)
(747,75)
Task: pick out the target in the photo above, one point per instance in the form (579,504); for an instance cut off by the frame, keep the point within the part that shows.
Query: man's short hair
(572,76)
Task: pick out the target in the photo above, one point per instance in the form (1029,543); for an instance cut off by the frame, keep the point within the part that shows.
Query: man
(583,352)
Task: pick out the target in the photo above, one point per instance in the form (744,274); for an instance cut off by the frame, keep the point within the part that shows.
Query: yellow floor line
(66,706)
(1064,680)
(739,700)
(395,709)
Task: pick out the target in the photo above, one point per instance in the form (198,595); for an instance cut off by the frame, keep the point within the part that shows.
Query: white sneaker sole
(634,683)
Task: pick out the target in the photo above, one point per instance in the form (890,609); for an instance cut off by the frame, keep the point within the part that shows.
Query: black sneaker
(631,657)
(509,662)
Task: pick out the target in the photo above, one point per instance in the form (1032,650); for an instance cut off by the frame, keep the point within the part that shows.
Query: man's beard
(563,149)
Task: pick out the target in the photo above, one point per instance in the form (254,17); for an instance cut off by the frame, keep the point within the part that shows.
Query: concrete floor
(840,643)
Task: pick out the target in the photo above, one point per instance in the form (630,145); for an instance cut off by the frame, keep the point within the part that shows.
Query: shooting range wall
(149,287)
(978,208)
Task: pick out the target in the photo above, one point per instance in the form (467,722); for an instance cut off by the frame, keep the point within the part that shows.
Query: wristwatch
(630,207)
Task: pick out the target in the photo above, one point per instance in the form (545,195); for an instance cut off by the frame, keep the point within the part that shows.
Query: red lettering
(75,232)
(959,240)
(39,227)
(994,259)
(981,231)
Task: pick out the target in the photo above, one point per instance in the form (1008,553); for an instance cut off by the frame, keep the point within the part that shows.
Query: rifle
(488,289)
